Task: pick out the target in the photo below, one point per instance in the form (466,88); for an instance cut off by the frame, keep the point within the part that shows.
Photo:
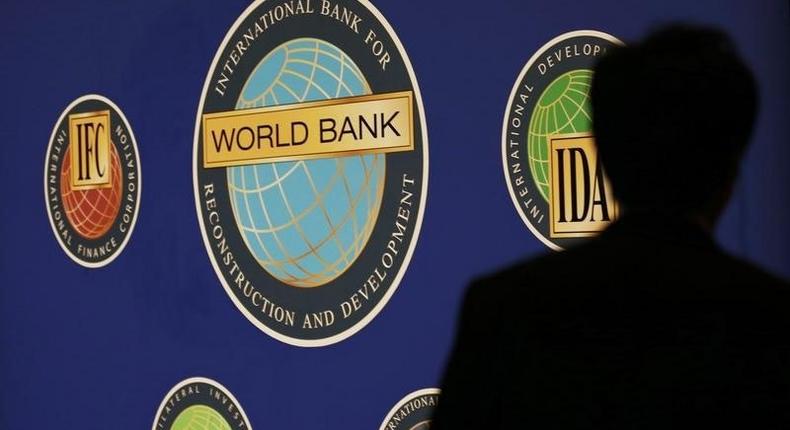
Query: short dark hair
(672,116)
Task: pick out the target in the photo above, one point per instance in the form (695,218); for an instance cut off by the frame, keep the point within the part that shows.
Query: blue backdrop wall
(99,348)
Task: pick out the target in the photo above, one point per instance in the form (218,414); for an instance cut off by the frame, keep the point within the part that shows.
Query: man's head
(672,116)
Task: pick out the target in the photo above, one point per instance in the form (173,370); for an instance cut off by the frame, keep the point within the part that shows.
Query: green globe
(200,417)
(306,221)
(564,107)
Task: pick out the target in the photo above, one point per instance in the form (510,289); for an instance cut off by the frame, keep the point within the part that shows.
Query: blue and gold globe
(306,221)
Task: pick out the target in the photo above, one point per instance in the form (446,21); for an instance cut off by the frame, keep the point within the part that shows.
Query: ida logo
(549,157)
(310,166)
(92,181)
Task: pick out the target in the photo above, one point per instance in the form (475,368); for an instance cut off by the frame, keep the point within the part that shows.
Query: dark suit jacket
(648,326)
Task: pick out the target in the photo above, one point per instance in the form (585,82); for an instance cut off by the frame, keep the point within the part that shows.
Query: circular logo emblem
(200,404)
(92,181)
(413,412)
(310,166)
(551,166)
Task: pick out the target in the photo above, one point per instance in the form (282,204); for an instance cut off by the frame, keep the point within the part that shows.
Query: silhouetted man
(650,325)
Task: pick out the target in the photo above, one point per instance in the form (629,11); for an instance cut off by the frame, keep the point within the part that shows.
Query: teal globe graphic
(306,221)
(200,417)
(563,107)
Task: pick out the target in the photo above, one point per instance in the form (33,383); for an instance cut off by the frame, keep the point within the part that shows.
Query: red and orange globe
(91,212)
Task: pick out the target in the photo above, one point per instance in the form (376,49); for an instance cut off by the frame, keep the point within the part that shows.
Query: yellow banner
(328,128)
(89,143)
(582,203)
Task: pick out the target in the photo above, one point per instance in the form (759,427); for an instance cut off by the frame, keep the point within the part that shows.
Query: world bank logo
(310,164)
(413,412)
(322,210)
(92,181)
(200,404)
(549,157)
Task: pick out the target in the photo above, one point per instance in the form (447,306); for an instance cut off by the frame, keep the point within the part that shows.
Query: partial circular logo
(413,412)
(92,181)
(310,166)
(553,174)
(200,404)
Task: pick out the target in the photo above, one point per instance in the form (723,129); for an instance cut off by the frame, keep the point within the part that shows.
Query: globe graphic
(91,212)
(199,417)
(306,221)
(563,107)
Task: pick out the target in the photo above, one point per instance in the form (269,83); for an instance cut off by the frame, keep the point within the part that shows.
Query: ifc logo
(310,166)
(548,153)
(92,181)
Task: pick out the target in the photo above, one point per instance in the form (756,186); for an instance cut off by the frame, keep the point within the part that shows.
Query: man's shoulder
(551,264)
(522,275)
(597,264)
(737,271)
